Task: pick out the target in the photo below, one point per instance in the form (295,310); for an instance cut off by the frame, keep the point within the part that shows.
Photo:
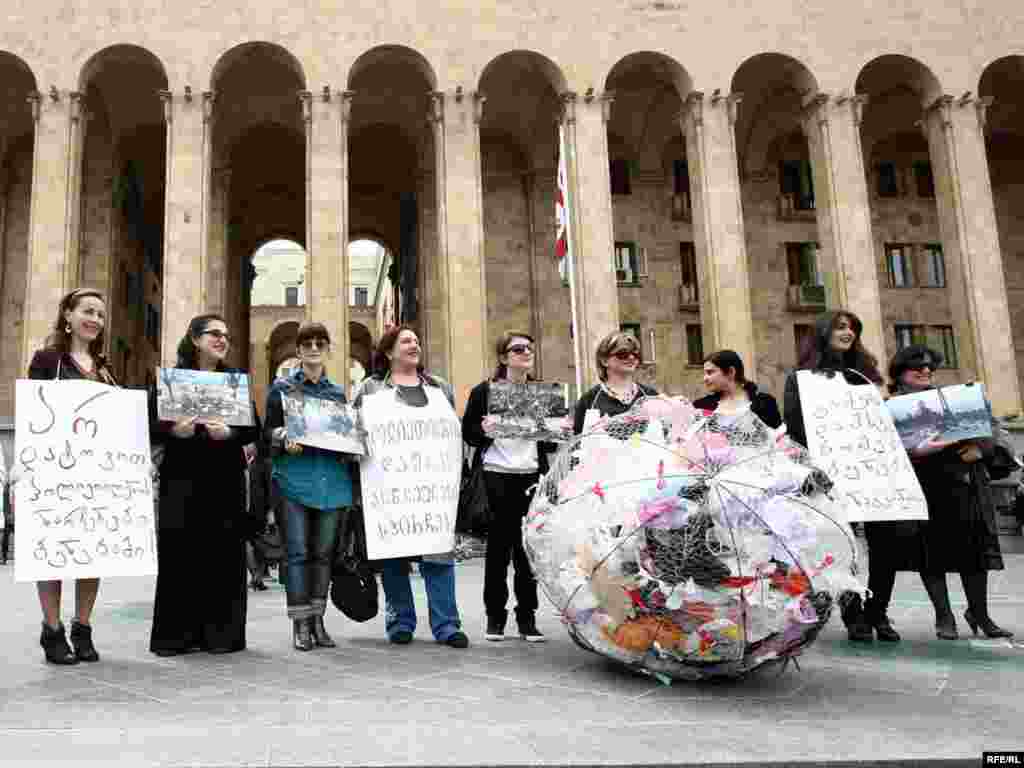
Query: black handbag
(353,582)
(474,515)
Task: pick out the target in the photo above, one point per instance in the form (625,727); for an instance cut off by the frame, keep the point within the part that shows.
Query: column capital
(693,110)
(34,100)
(346,105)
(941,109)
(568,99)
(856,104)
(435,108)
(306,103)
(815,109)
(75,99)
(166,99)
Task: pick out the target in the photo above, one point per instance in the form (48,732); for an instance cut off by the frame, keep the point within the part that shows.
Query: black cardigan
(606,406)
(47,363)
(473,432)
(762,404)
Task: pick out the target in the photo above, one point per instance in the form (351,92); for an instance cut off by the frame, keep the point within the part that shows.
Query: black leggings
(509,502)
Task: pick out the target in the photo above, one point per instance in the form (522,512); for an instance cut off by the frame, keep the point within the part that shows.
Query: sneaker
(528,631)
(495,630)
(458,640)
(401,637)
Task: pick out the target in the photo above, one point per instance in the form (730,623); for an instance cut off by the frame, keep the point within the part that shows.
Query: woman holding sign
(410,485)
(961,533)
(74,351)
(314,482)
(200,601)
(836,348)
(617,358)
(511,467)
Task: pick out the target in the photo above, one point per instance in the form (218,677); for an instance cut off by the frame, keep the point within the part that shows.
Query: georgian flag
(561,211)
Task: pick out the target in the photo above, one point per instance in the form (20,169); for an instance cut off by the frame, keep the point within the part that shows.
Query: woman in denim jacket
(315,484)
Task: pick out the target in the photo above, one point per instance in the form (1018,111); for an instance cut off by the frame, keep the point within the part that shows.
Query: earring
(67,328)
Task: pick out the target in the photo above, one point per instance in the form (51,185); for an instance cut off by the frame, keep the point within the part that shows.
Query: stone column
(217,248)
(53,262)
(461,237)
(327,275)
(847,252)
(188,144)
(970,244)
(593,238)
(709,127)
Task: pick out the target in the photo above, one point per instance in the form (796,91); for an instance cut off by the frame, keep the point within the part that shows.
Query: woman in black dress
(73,351)
(961,533)
(200,598)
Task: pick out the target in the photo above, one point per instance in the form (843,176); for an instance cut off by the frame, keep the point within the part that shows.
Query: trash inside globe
(689,545)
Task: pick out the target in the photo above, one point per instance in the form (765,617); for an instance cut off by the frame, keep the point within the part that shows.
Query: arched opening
(392,190)
(280,353)
(519,156)
(16,141)
(1002,82)
(911,265)
(121,214)
(257,189)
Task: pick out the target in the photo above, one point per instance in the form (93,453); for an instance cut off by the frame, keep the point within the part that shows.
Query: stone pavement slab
(510,703)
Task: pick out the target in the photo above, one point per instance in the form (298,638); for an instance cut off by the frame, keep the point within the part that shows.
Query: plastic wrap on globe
(689,544)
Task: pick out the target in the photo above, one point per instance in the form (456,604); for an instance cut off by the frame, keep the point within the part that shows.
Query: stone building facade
(734,169)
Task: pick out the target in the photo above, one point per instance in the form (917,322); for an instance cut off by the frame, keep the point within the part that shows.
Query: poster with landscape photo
(320,423)
(531,410)
(948,414)
(182,393)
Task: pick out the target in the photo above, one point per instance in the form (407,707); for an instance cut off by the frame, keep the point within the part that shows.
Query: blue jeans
(439,580)
(311,536)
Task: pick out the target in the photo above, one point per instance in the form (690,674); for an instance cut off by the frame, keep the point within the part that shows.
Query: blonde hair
(609,345)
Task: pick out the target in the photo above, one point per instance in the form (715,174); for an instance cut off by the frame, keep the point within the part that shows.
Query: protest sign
(83,487)
(182,393)
(529,410)
(851,436)
(320,423)
(948,414)
(410,475)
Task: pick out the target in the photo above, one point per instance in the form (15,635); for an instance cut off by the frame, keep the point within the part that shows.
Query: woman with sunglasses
(961,533)
(510,468)
(200,601)
(315,484)
(73,351)
(617,358)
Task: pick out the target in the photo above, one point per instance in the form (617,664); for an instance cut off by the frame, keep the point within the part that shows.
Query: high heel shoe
(945,628)
(55,645)
(989,627)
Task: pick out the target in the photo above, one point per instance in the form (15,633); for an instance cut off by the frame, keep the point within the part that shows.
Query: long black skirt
(201,591)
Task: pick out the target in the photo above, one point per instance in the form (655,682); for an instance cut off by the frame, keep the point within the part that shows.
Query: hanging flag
(561,209)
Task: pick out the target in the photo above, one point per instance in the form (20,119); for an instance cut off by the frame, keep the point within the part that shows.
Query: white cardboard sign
(83,490)
(851,436)
(410,475)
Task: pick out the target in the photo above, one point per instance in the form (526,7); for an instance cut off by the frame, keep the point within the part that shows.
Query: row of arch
(915,72)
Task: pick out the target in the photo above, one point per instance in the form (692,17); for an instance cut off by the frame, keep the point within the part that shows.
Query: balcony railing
(689,298)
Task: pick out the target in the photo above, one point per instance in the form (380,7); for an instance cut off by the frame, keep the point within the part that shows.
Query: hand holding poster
(948,415)
(182,393)
(529,410)
(322,423)
(851,436)
(84,494)
(410,475)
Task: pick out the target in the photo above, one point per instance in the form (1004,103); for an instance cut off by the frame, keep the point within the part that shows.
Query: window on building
(633,329)
(803,334)
(694,345)
(923,179)
(934,271)
(620,176)
(938,337)
(888,180)
(362,296)
(898,265)
(688,266)
(680,177)
(795,179)
(291,295)
(626,264)
(802,264)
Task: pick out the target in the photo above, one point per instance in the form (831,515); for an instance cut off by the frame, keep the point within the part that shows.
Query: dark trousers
(509,502)
(311,536)
(881,581)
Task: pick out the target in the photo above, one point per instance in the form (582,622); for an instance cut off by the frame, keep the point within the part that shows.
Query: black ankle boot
(302,639)
(986,625)
(320,636)
(81,638)
(851,609)
(976,588)
(55,645)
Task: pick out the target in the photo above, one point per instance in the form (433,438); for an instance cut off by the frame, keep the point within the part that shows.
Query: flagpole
(570,258)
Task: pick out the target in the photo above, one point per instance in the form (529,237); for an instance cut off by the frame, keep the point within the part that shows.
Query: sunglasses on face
(626,354)
(520,349)
(311,344)
(219,335)
(922,367)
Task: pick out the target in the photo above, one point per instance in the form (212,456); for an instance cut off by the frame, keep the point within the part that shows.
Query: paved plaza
(368,702)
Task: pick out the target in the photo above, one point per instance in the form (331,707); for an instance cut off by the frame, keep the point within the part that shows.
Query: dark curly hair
(188,353)
(817,353)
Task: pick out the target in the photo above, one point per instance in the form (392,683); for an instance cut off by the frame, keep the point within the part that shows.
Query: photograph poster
(182,393)
(947,414)
(320,423)
(531,410)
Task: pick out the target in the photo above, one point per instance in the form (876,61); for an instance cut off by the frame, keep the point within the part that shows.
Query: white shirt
(511,455)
